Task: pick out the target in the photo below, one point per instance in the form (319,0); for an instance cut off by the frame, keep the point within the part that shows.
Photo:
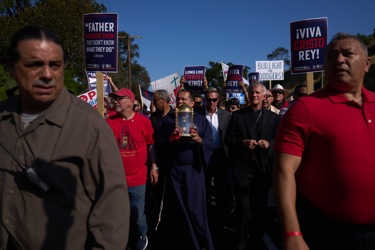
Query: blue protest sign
(100,41)
(308,41)
(234,77)
(194,76)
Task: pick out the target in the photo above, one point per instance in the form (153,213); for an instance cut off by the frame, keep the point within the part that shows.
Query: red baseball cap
(123,92)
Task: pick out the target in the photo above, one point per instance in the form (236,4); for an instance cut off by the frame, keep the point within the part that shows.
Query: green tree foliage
(280,54)
(64,18)
(139,74)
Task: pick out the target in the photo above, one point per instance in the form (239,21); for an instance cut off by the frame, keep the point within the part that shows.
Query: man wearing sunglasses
(299,91)
(218,172)
(232,105)
(279,95)
(135,137)
(267,103)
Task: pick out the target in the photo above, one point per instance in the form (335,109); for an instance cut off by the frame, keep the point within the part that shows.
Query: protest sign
(270,70)
(90,97)
(239,96)
(225,67)
(100,41)
(234,77)
(169,83)
(194,76)
(91,78)
(308,41)
(253,76)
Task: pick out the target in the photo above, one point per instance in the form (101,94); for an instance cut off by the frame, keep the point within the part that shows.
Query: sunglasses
(279,92)
(198,103)
(211,100)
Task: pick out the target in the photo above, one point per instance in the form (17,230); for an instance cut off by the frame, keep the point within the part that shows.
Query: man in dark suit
(218,173)
(250,136)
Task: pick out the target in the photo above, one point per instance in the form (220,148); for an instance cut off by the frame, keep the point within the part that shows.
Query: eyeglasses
(268,96)
(118,98)
(211,100)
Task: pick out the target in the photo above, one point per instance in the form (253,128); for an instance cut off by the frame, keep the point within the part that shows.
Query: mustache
(44,84)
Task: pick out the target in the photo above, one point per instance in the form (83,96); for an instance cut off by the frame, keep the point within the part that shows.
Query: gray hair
(257,84)
(163,94)
(340,36)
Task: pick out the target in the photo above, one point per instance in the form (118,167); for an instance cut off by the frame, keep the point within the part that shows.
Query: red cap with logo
(123,92)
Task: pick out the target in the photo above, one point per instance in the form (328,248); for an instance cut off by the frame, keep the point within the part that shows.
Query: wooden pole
(100,92)
(310,82)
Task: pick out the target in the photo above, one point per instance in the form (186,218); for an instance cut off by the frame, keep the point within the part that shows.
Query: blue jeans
(138,223)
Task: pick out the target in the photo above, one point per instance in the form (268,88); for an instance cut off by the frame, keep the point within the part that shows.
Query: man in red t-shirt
(324,168)
(135,137)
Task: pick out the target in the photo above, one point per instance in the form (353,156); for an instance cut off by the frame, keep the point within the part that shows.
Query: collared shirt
(213,120)
(335,138)
(74,151)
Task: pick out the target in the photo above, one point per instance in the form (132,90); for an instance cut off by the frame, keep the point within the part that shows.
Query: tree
(280,54)
(64,18)
(139,73)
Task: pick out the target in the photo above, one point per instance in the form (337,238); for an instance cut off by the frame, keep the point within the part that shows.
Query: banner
(100,41)
(91,78)
(147,97)
(90,97)
(234,77)
(194,76)
(239,96)
(225,67)
(169,83)
(308,41)
(253,76)
(270,70)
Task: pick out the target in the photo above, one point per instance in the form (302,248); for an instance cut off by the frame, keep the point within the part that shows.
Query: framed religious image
(184,120)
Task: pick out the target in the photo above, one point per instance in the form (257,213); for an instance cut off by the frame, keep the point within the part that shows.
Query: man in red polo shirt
(324,172)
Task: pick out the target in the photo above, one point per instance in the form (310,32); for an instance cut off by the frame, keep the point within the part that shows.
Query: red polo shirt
(336,139)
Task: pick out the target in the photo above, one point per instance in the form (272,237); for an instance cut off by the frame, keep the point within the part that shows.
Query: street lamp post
(129,58)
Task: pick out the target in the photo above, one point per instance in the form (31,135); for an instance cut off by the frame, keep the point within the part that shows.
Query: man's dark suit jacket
(239,128)
(224,118)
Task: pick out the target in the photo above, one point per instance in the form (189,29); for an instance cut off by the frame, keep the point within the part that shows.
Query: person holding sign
(62,181)
(324,163)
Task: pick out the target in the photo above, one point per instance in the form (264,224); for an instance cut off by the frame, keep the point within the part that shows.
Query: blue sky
(178,33)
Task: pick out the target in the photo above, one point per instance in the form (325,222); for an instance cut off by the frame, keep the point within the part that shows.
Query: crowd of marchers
(73,180)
